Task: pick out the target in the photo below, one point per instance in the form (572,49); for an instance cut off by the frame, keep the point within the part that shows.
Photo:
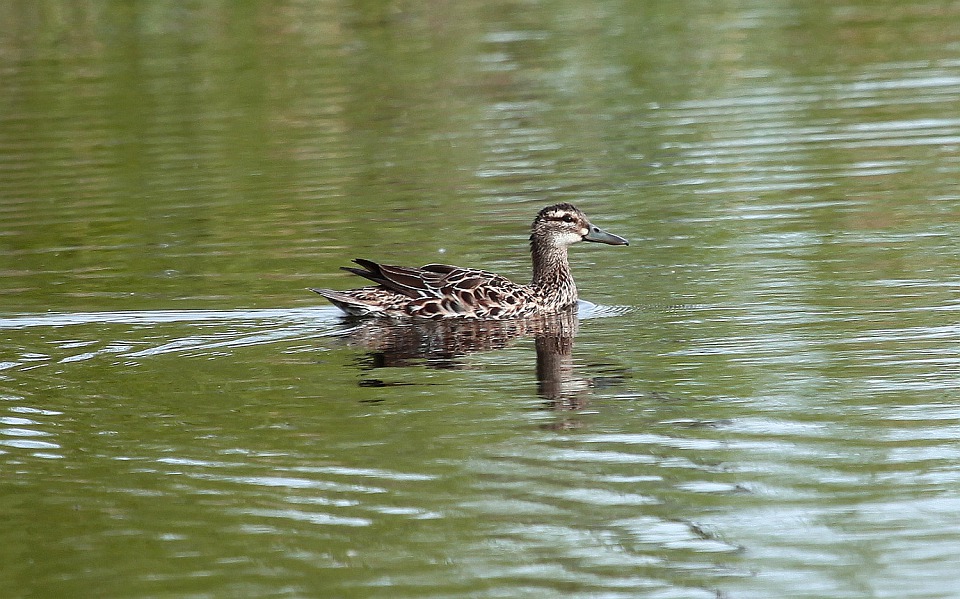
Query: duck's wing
(437,290)
(474,293)
(404,280)
(431,280)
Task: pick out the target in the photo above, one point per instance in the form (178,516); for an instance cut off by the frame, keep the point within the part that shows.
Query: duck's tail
(352,306)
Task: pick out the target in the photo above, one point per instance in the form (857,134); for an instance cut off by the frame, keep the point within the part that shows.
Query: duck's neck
(552,279)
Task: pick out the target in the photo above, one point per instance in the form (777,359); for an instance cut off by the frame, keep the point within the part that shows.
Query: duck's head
(563,225)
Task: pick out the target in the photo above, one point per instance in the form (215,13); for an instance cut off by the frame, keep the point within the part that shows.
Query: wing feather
(440,289)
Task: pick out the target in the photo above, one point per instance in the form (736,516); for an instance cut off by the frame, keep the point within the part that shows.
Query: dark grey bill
(600,236)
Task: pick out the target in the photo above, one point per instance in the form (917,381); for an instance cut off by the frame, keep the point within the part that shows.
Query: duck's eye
(567,218)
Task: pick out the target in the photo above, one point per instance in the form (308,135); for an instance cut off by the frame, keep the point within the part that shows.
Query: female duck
(442,291)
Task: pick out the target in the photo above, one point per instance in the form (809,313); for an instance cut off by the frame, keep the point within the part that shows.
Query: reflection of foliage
(179,150)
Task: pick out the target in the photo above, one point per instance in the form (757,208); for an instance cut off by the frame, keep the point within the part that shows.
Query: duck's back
(433,291)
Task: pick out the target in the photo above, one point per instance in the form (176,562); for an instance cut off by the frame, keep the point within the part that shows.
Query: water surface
(762,401)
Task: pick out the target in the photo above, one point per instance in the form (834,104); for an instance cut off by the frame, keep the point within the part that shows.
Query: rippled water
(761,399)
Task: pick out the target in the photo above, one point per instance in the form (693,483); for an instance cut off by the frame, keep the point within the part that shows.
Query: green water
(764,401)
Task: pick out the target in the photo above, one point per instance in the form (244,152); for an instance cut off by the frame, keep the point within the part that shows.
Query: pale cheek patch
(583,232)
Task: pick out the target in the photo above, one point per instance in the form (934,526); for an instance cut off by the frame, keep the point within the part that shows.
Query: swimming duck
(443,291)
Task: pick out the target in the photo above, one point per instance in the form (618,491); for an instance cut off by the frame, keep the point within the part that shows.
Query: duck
(436,291)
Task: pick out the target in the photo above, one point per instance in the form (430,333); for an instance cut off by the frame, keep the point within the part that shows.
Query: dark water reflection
(440,344)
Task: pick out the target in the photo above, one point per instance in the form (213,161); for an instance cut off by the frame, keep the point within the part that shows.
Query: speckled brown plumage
(443,291)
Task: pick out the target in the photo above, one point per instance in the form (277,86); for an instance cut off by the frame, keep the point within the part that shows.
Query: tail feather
(349,304)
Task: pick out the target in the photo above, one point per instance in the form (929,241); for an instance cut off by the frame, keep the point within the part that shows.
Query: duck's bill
(600,236)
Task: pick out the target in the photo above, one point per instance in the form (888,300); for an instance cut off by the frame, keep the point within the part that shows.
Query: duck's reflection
(441,343)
